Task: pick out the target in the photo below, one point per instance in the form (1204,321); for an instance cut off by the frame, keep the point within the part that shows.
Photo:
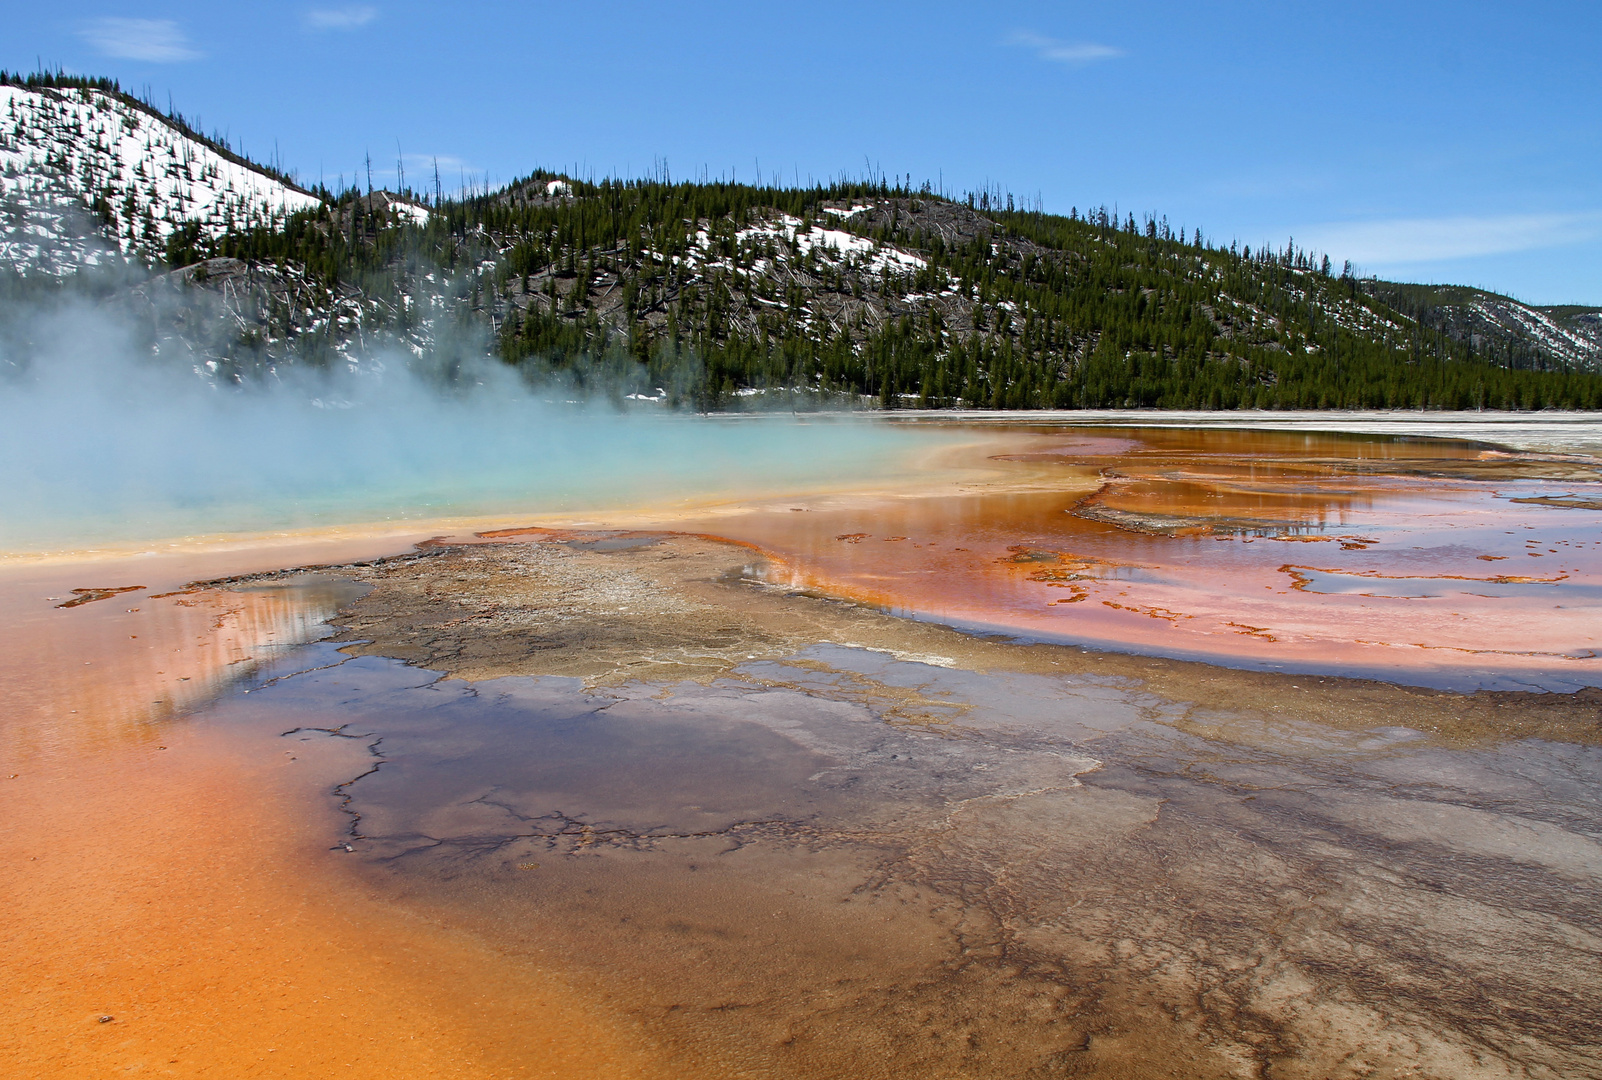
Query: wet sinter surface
(843,863)
(784,836)
(170,904)
(1431,562)
(654,804)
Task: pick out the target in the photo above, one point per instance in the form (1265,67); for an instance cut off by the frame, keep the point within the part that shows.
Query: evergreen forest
(710,294)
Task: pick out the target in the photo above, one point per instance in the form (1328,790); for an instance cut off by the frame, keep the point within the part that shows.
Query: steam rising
(101,441)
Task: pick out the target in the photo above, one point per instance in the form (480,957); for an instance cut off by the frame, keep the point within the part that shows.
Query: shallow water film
(842,863)
(1108,752)
(1419,560)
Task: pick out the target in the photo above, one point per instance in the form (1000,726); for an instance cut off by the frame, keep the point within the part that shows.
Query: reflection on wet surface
(840,862)
(171,875)
(616,805)
(1430,562)
(1369,583)
(113,670)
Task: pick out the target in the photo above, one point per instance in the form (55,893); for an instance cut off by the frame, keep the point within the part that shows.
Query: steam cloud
(100,442)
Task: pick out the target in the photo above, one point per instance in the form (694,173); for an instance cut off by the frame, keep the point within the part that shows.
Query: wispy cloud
(446,162)
(342,18)
(1417,240)
(1073,53)
(159,41)
(453,171)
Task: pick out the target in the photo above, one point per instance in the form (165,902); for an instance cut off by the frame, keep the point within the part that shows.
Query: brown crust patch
(698,606)
(89,596)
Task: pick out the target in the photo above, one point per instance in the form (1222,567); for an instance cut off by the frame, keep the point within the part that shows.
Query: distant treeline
(1012,309)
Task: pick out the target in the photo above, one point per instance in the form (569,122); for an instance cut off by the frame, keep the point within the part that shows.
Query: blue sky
(1424,141)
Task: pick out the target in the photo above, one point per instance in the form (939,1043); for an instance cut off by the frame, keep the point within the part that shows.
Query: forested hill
(709,293)
(722,295)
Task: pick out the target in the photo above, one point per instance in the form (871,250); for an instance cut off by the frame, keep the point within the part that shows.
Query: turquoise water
(101,440)
(156,457)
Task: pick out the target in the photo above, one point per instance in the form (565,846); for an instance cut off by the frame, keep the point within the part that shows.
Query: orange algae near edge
(175,890)
(1159,528)
(172,909)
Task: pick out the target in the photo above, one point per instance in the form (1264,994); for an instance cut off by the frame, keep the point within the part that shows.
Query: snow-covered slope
(85,175)
(1501,328)
(1579,343)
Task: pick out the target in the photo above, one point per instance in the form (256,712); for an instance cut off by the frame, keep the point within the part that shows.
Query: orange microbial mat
(1422,561)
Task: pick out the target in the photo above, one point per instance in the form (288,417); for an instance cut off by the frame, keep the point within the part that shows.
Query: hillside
(96,186)
(1499,327)
(68,153)
(718,295)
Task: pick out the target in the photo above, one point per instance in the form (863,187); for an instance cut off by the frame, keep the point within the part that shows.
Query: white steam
(98,442)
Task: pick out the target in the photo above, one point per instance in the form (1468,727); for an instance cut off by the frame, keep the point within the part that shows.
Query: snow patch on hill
(833,244)
(1569,345)
(70,158)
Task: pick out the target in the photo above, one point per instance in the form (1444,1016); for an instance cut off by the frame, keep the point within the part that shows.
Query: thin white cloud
(1073,53)
(159,41)
(1419,240)
(343,18)
(447,163)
